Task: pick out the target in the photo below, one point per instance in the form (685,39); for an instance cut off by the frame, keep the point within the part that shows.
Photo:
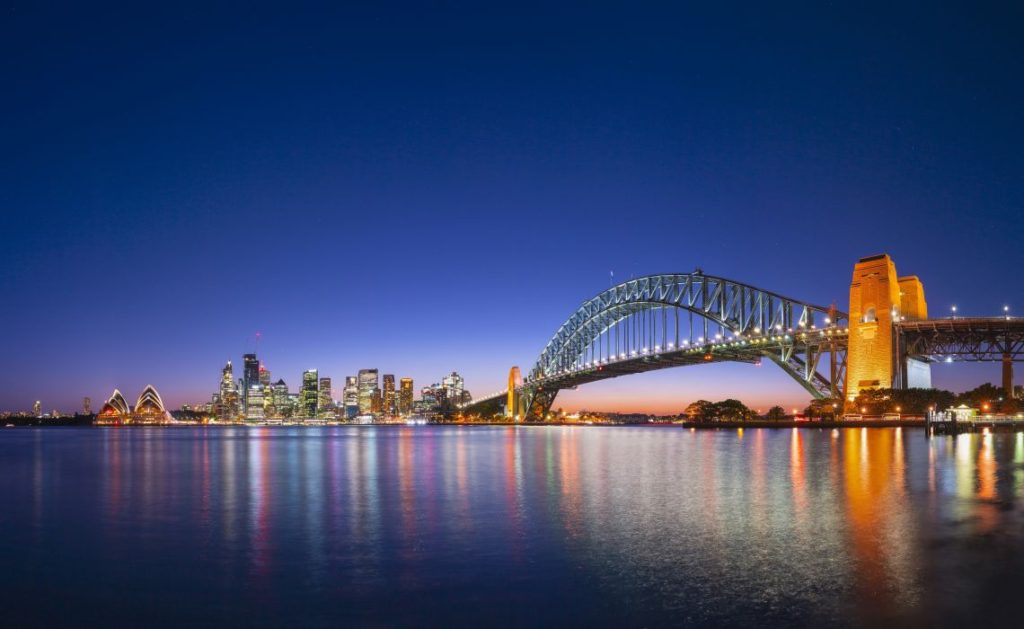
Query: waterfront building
(405,397)
(325,403)
(149,408)
(282,403)
(308,394)
(367,386)
(388,406)
(430,397)
(351,397)
(250,369)
(269,408)
(254,407)
(114,411)
(455,388)
(227,406)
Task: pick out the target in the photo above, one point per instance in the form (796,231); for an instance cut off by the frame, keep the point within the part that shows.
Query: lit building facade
(282,403)
(405,397)
(368,387)
(351,397)
(308,395)
(254,407)
(149,409)
(325,402)
(388,404)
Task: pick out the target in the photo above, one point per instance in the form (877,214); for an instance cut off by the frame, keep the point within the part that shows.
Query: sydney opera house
(148,409)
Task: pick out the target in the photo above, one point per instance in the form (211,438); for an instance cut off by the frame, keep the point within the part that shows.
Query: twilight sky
(437,186)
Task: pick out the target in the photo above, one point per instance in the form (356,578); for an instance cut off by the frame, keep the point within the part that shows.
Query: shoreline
(724,425)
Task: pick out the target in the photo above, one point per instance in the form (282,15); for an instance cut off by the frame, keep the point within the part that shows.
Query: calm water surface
(552,526)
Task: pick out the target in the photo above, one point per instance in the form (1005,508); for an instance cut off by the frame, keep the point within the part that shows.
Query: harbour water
(493,526)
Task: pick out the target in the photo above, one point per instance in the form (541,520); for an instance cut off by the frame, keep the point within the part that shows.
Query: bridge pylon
(512,404)
(879,299)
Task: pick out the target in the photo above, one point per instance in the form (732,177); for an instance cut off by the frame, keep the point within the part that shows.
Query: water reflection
(642,526)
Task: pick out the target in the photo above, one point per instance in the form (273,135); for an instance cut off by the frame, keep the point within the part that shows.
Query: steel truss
(963,339)
(635,327)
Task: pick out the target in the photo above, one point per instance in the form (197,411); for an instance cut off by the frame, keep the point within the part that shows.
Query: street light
(954,311)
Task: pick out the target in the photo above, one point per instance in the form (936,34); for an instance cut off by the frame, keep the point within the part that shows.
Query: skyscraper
(405,397)
(388,406)
(227,409)
(250,376)
(455,388)
(87,406)
(282,406)
(254,407)
(367,386)
(325,404)
(250,369)
(351,400)
(308,394)
(37,408)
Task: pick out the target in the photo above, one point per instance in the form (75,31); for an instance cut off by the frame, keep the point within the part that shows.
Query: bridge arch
(642,317)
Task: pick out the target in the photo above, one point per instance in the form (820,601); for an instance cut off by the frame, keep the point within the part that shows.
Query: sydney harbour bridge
(671,320)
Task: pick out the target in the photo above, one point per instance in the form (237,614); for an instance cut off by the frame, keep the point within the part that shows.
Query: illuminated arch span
(149,401)
(718,304)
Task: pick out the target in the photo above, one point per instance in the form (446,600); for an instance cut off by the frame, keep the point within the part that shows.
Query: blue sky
(429,187)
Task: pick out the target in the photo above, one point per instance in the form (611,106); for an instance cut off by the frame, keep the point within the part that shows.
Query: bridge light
(949,359)
(657,348)
(757,330)
(671,345)
(828,320)
(778,326)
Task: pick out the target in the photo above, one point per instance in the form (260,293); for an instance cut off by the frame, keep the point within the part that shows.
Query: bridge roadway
(967,339)
(971,339)
(783,349)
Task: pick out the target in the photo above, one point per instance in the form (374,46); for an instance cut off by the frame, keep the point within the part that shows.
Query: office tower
(269,408)
(254,407)
(228,407)
(388,403)
(250,376)
(264,375)
(282,404)
(351,399)
(308,394)
(325,404)
(367,385)
(454,387)
(405,397)
(37,408)
(376,405)
(87,406)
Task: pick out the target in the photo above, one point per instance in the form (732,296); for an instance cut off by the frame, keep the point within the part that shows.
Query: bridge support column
(879,300)
(1008,375)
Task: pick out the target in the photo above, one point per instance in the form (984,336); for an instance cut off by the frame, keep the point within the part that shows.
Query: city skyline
(445,207)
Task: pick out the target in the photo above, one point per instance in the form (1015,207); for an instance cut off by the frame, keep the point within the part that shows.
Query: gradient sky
(437,186)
